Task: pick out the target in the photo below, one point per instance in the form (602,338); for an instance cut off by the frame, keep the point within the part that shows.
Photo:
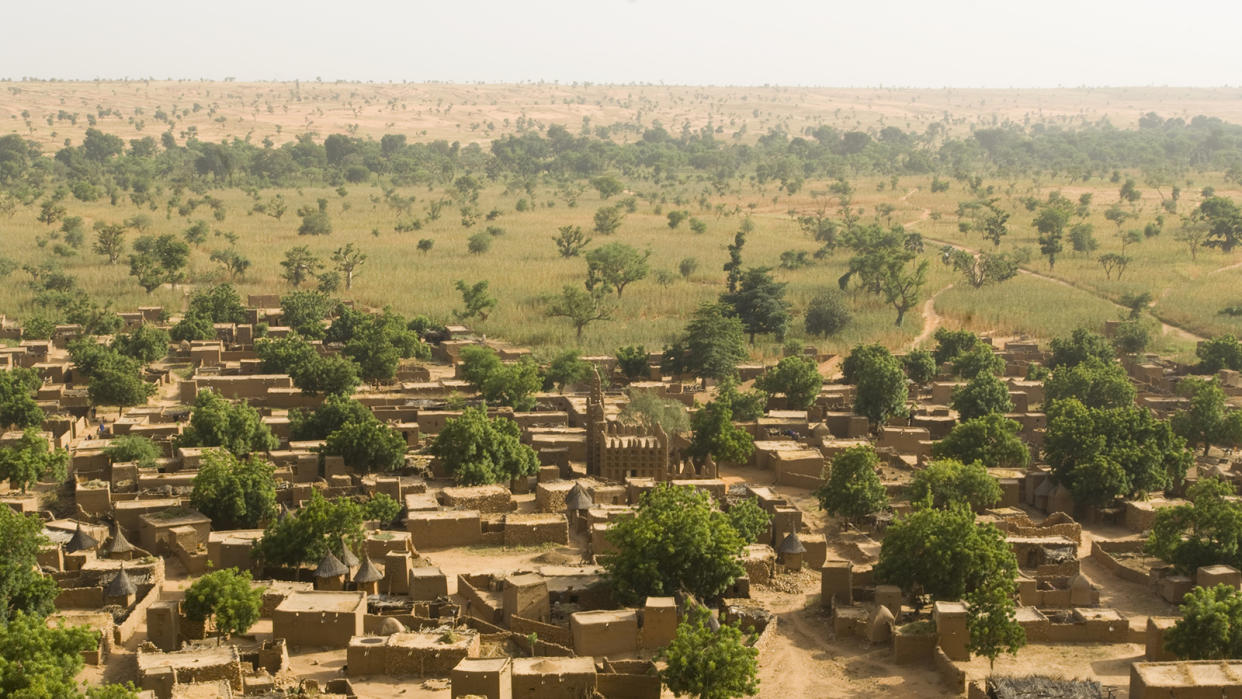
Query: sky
(865,43)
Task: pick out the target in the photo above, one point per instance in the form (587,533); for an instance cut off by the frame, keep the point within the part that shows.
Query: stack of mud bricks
(950,618)
(836,583)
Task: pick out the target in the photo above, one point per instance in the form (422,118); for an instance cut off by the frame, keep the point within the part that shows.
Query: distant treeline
(105,165)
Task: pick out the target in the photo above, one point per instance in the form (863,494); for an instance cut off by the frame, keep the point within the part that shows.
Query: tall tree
(23,588)
(234,493)
(709,663)
(478,301)
(31,458)
(759,301)
(227,599)
(1208,420)
(614,266)
(347,260)
(476,449)
(852,488)
(797,377)
(580,307)
(300,264)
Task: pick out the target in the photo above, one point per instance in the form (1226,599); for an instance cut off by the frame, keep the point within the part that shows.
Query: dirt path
(931,319)
(1226,268)
(1166,328)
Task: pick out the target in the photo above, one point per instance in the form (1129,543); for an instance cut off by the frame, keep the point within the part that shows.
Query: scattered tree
(991,440)
(347,260)
(948,482)
(300,264)
(478,302)
(827,313)
(1209,419)
(237,427)
(226,599)
(570,241)
(581,307)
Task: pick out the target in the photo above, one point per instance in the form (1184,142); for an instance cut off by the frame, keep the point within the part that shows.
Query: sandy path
(1166,328)
(931,319)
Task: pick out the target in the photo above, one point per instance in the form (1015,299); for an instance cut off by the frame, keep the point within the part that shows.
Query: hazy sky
(963,43)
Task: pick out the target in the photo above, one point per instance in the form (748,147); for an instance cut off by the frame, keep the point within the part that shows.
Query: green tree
(567,368)
(950,344)
(992,622)
(881,383)
(570,241)
(1103,454)
(310,533)
(300,264)
(712,347)
(1210,627)
(24,461)
(1224,220)
(1079,347)
(17,405)
(711,664)
(38,660)
(226,599)
(607,186)
(759,302)
(347,259)
(852,487)
(614,266)
(749,519)
(920,366)
(146,343)
(192,327)
(197,233)
(279,355)
(715,434)
(580,307)
(947,482)
(335,411)
(132,448)
(305,311)
(23,588)
(109,241)
(479,243)
(478,450)
(632,361)
(746,406)
(1094,383)
(381,508)
(232,262)
(608,219)
(315,221)
(797,377)
(368,445)
(1051,222)
(991,440)
(827,313)
(676,542)
(945,554)
(903,290)
(158,260)
(1208,420)
(234,493)
(1205,531)
(1221,352)
(237,427)
(983,395)
(977,360)
(478,302)
(650,409)
(512,384)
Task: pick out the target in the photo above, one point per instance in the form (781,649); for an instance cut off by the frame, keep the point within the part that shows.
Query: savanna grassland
(523,205)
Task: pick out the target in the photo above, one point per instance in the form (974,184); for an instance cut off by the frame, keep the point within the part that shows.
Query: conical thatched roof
(121,585)
(118,543)
(577,499)
(81,541)
(368,572)
(348,557)
(330,567)
(792,544)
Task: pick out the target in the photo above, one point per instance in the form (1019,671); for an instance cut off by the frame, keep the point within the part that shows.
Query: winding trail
(931,319)
(1166,328)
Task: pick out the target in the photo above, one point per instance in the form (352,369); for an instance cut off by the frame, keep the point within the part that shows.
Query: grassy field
(523,266)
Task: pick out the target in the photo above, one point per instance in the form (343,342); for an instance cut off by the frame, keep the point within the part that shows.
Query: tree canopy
(226,599)
(310,533)
(217,422)
(712,346)
(676,542)
(948,483)
(797,377)
(234,493)
(31,458)
(715,435)
(852,487)
(991,440)
(1208,420)
(1210,627)
(23,589)
(1205,531)
(983,395)
(476,449)
(710,664)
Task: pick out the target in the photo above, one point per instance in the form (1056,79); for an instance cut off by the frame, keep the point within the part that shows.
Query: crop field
(387,220)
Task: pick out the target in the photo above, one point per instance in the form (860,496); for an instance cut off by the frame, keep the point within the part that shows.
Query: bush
(827,314)
(477,450)
(129,448)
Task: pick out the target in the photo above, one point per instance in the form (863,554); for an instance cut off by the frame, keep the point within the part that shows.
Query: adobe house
(1186,679)
(411,653)
(484,677)
(554,677)
(605,632)
(319,618)
(162,672)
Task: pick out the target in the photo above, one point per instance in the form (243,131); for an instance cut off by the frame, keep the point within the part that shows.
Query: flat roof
(322,601)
